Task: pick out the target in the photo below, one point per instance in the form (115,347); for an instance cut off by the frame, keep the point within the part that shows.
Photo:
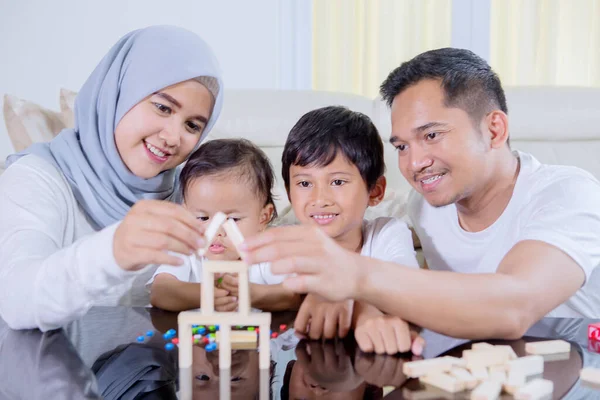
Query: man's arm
(532,279)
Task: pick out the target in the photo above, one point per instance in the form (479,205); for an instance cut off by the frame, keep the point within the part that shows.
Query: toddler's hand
(320,318)
(224,301)
(229,282)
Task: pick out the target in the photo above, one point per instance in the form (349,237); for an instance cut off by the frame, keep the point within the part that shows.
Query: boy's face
(334,198)
(205,196)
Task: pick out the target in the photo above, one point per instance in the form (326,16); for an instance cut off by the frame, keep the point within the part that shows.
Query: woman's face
(159,132)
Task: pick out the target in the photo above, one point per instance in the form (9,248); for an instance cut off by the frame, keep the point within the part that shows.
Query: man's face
(440,152)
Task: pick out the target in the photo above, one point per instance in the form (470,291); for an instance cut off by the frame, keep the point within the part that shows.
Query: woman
(82,216)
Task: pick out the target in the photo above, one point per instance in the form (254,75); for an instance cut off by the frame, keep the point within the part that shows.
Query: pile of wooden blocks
(489,370)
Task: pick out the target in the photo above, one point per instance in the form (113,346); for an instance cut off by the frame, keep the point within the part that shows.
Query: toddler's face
(205,196)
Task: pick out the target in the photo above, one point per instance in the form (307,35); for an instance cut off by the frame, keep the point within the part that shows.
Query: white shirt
(191,271)
(559,205)
(53,265)
(389,239)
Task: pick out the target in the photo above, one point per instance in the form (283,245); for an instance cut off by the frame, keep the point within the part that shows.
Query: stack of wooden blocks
(489,370)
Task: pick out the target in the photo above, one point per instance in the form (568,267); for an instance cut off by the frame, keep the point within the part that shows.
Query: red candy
(175,341)
(257,331)
(205,340)
(274,335)
(282,327)
(594,346)
(594,331)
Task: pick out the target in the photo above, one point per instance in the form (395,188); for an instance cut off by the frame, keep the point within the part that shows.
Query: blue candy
(202,330)
(169,346)
(211,347)
(150,333)
(172,331)
(140,338)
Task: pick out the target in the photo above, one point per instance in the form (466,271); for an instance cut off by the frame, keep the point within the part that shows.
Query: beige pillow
(29,123)
(67,107)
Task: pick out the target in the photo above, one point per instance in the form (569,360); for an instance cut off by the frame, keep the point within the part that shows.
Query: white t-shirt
(53,266)
(559,205)
(191,271)
(389,239)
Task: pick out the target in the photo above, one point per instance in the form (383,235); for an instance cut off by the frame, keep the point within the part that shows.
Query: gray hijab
(141,63)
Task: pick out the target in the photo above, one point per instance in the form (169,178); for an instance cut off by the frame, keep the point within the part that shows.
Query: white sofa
(557,125)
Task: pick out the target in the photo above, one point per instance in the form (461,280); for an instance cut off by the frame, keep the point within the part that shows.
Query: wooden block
(241,340)
(416,369)
(234,234)
(590,375)
(548,347)
(497,374)
(486,358)
(443,381)
(481,346)
(465,377)
(535,390)
(526,366)
(480,373)
(487,391)
(514,381)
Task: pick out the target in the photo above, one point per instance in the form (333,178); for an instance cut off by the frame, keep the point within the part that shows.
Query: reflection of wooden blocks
(488,390)
(535,390)
(241,340)
(415,369)
(548,347)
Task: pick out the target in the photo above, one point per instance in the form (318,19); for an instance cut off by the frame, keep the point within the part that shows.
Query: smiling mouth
(324,219)
(156,151)
(432,179)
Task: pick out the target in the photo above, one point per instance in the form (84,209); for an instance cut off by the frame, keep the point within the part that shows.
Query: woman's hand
(150,230)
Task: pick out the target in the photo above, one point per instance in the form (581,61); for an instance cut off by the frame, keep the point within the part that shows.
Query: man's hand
(322,266)
(385,334)
(319,318)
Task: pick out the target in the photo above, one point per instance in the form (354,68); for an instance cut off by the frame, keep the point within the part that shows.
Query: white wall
(46,45)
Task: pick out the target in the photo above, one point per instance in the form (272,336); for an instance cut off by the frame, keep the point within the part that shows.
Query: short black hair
(239,157)
(469,83)
(320,134)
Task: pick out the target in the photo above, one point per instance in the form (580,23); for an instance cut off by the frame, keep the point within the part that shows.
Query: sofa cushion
(29,123)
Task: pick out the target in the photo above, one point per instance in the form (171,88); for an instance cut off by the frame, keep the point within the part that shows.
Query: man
(508,240)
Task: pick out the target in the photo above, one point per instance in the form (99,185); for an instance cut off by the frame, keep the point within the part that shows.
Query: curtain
(546,42)
(357,43)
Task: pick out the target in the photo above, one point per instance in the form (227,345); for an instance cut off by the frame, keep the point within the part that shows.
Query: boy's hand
(387,334)
(230,282)
(320,318)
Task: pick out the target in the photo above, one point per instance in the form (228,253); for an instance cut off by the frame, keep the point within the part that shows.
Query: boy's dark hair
(237,157)
(469,83)
(321,134)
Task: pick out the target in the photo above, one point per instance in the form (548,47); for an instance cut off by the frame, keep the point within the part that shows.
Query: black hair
(239,157)
(469,83)
(321,134)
